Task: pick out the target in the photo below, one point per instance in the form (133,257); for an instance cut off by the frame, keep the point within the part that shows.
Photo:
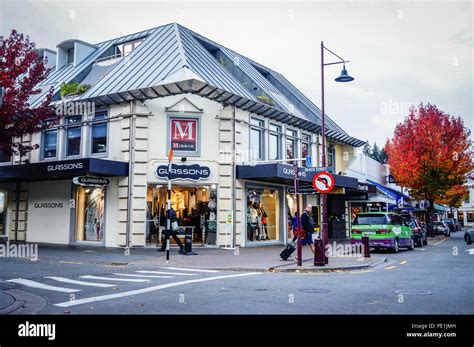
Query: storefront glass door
(3,212)
(90,214)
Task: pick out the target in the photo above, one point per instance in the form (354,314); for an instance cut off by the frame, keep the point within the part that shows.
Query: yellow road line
(390,267)
(361,272)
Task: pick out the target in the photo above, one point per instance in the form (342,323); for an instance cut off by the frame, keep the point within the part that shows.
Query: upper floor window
(331,156)
(98,131)
(50,143)
(127,47)
(305,146)
(5,157)
(256,139)
(291,144)
(73,136)
(274,142)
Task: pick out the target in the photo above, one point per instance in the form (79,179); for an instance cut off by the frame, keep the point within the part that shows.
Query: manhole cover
(314,290)
(261,289)
(413,292)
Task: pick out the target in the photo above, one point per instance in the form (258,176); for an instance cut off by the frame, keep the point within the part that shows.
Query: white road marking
(437,243)
(390,267)
(113,279)
(164,273)
(147,290)
(471,251)
(33,284)
(187,269)
(147,276)
(81,283)
(403,262)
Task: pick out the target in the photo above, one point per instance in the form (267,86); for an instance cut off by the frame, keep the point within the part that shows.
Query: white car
(442,229)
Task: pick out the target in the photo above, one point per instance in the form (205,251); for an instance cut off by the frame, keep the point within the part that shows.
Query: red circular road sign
(323,182)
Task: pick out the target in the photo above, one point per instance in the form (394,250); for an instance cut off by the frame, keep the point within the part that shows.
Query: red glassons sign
(184,134)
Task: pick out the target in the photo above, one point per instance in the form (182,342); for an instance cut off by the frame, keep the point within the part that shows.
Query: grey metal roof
(175,60)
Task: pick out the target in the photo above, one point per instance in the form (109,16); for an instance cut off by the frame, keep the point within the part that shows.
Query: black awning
(63,169)
(285,173)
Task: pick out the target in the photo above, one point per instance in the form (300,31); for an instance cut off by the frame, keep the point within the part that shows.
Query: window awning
(285,173)
(63,169)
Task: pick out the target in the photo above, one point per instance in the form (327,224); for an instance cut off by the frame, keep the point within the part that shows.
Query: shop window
(263,214)
(90,213)
(3,212)
(73,136)
(256,140)
(50,144)
(470,217)
(98,129)
(274,142)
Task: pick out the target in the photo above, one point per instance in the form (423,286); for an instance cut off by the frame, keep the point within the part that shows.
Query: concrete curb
(281,268)
(24,302)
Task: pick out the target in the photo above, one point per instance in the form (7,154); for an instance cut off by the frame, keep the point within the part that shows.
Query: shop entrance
(90,214)
(196,209)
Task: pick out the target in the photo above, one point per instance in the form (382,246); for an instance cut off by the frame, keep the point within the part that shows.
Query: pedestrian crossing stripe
(34,284)
(187,269)
(147,276)
(164,273)
(114,279)
(81,283)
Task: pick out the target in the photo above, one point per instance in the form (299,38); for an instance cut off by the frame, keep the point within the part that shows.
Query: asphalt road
(435,279)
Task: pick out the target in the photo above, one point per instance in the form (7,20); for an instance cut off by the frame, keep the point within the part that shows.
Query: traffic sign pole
(299,251)
(168,220)
(323,182)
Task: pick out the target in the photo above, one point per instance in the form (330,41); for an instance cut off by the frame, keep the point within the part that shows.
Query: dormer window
(126,48)
(70,56)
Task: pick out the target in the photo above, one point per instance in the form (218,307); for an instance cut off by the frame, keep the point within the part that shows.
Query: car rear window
(411,223)
(369,219)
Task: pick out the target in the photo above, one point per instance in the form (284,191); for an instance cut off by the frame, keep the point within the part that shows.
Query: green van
(384,229)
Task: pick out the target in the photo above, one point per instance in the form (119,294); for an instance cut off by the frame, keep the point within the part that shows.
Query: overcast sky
(401,52)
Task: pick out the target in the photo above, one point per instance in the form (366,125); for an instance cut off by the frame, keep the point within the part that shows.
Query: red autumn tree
(430,153)
(20,73)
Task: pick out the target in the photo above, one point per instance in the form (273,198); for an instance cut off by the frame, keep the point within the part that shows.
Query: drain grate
(314,290)
(413,292)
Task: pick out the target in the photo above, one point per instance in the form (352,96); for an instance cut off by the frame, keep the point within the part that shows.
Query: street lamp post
(344,77)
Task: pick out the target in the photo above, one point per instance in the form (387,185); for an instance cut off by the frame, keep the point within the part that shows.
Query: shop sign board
(193,172)
(183,135)
(91,181)
(301,190)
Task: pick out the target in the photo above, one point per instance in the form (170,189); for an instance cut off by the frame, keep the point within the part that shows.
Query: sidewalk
(266,258)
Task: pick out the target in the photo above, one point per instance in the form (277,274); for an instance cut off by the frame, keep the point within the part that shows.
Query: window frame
(294,137)
(278,134)
(260,127)
(306,139)
(66,127)
(90,125)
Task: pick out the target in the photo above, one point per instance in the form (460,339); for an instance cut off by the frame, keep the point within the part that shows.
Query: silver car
(442,229)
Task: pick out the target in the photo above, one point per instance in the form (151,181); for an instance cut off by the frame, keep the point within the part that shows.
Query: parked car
(421,237)
(450,223)
(441,229)
(469,236)
(384,229)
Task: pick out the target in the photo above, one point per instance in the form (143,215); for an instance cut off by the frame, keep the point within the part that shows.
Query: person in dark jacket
(172,233)
(307,224)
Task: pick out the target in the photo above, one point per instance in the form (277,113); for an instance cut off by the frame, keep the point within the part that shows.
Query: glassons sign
(183,135)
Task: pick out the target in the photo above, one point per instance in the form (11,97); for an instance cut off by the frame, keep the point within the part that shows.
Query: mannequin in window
(264,233)
(252,217)
(257,220)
